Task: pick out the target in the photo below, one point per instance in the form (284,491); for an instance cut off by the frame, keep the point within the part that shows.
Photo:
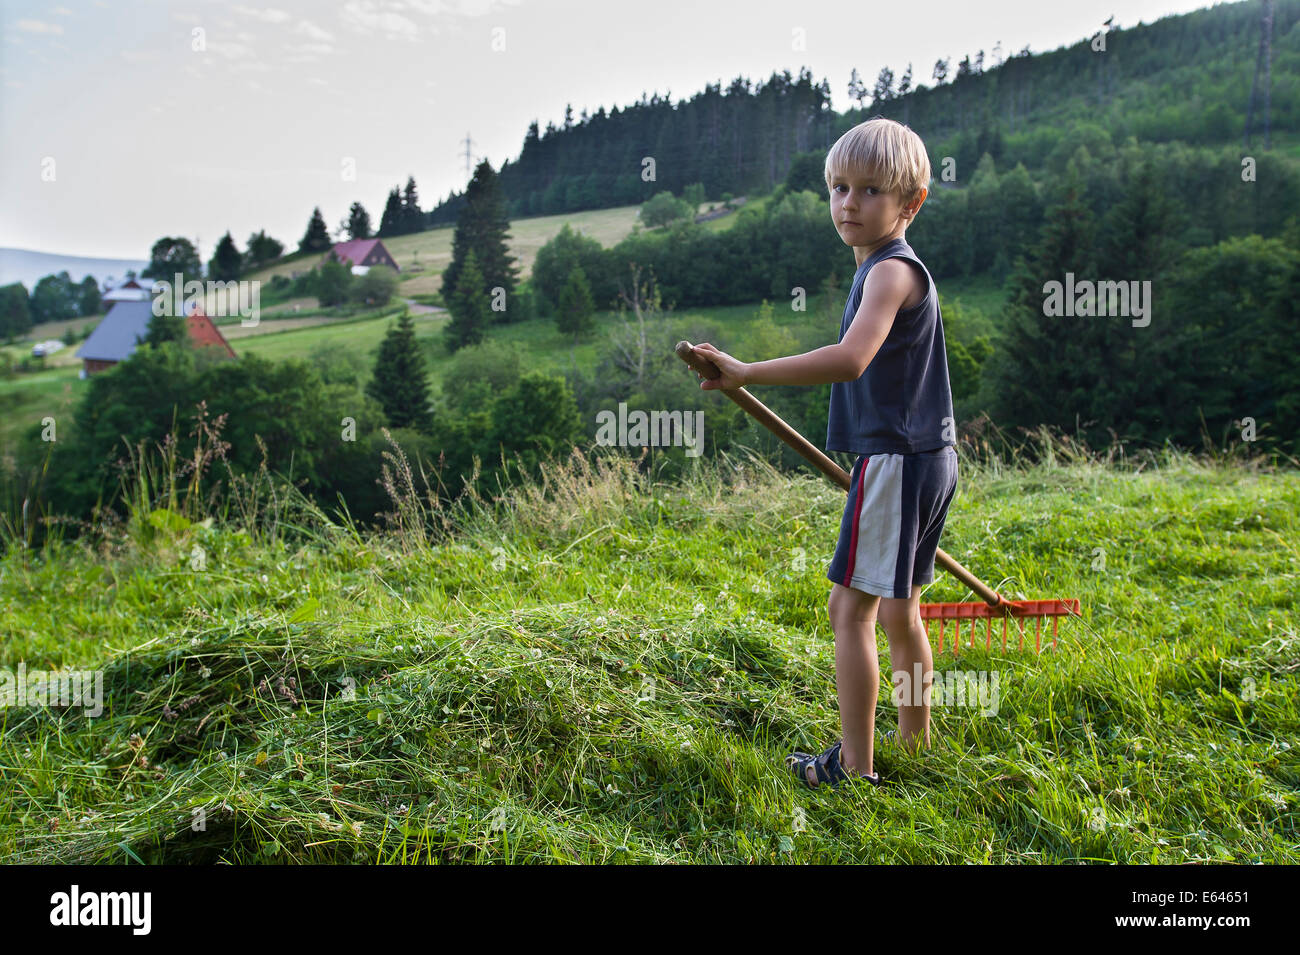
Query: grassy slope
(26,399)
(614,671)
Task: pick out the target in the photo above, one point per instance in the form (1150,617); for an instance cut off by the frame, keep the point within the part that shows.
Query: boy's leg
(857,674)
(909,654)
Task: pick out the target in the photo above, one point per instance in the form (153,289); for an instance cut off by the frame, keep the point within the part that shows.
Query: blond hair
(880,147)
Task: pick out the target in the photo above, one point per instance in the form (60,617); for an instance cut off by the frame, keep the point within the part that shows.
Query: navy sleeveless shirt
(900,403)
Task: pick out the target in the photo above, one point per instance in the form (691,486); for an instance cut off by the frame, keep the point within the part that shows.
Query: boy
(891,405)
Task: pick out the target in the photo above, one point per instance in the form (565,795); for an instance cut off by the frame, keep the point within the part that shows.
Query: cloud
(269,15)
(62,11)
(231,51)
(366,15)
(313,32)
(307,52)
(38,26)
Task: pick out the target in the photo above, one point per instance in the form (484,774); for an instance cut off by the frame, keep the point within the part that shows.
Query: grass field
(606,669)
(421,257)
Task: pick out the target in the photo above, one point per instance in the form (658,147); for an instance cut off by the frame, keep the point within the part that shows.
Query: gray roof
(114,337)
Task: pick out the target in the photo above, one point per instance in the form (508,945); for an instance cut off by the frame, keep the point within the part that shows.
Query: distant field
(423,256)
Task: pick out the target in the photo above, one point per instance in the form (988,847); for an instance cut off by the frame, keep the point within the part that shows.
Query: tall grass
(598,665)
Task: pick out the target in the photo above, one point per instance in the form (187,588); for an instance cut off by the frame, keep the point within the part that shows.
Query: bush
(663,208)
(333,283)
(376,287)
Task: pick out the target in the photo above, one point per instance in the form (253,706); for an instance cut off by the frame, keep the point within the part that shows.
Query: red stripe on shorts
(857,514)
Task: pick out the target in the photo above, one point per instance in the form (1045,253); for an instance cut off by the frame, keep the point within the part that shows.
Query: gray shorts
(892,520)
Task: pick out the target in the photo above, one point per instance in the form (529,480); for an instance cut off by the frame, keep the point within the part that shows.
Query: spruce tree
(226,261)
(1044,368)
(358,222)
(400,383)
(412,217)
(482,227)
(317,236)
(470,311)
(390,223)
(575,315)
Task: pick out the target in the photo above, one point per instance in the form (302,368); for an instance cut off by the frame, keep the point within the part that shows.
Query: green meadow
(600,667)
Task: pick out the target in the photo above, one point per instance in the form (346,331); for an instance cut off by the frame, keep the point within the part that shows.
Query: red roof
(205,334)
(354,251)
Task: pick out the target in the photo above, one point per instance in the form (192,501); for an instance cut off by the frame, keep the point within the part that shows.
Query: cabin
(361,254)
(132,290)
(126,324)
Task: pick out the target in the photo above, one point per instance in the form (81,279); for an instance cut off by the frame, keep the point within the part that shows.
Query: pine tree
(482,227)
(400,383)
(226,261)
(883,91)
(857,89)
(1044,368)
(358,222)
(412,217)
(390,223)
(576,310)
(470,312)
(317,236)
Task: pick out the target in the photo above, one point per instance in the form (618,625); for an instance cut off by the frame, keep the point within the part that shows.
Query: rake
(994,605)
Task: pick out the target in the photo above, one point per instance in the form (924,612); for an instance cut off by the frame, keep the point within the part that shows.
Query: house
(361,254)
(117,334)
(132,290)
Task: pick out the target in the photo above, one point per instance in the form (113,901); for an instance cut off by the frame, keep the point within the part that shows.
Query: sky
(126,121)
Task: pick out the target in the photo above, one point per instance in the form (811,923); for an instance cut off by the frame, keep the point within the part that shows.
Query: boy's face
(864,215)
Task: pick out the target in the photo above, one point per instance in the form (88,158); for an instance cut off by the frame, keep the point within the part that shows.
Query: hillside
(600,670)
(1183,78)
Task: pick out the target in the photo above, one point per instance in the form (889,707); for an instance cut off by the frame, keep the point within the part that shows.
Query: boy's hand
(735,374)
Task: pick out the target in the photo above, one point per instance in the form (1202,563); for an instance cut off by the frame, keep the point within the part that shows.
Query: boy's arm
(887,287)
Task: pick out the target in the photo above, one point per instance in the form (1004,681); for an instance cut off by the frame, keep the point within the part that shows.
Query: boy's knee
(899,618)
(845,603)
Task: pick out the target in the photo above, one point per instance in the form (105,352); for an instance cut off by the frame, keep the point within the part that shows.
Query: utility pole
(467,153)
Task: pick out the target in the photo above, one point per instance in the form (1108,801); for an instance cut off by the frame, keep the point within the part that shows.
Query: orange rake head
(1019,609)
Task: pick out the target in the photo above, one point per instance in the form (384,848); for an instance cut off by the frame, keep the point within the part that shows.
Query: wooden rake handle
(770,420)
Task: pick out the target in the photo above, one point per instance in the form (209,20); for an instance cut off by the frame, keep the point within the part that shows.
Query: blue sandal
(827,767)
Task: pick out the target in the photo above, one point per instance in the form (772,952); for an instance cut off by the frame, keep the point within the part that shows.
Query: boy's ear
(917,202)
